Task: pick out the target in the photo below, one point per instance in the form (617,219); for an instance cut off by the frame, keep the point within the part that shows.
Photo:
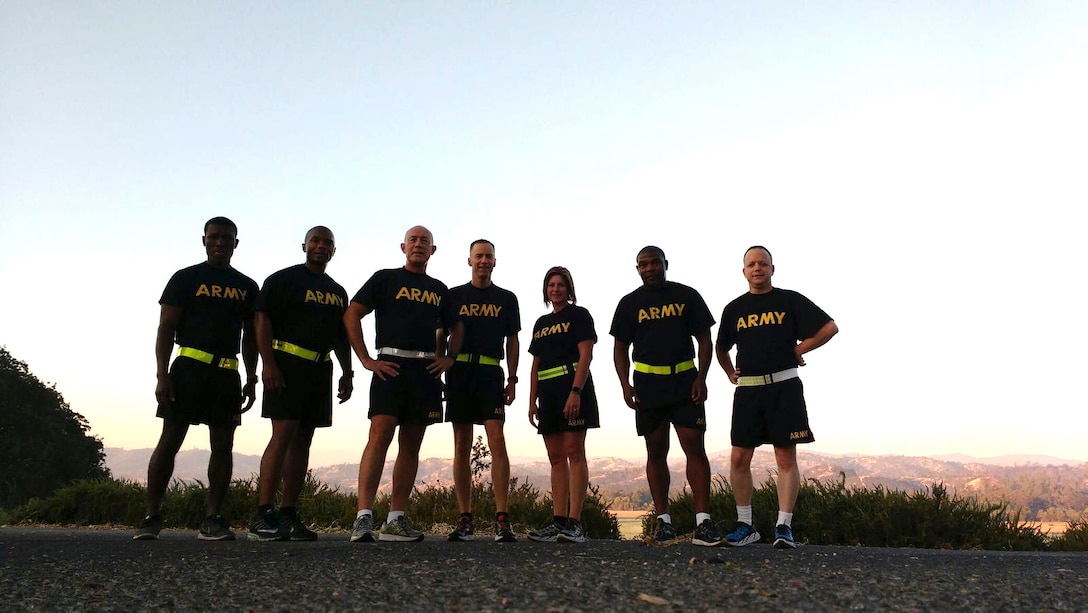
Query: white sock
(665,517)
(744,514)
(784,518)
(701,517)
(364,512)
(393,516)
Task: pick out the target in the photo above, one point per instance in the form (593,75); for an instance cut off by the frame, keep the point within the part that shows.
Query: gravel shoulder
(104,570)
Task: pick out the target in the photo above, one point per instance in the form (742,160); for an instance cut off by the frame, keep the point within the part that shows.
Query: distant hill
(1045,488)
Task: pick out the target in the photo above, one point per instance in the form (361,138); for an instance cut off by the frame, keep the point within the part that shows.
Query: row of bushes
(112,502)
(827,513)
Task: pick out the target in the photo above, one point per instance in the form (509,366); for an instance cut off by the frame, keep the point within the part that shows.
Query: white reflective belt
(775,377)
(404,353)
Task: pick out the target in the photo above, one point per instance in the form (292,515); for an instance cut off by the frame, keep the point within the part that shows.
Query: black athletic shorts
(684,413)
(475,393)
(307,393)
(552,398)
(414,396)
(204,394)
(774,413)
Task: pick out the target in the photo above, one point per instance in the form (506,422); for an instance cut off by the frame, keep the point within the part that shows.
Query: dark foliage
(44,445)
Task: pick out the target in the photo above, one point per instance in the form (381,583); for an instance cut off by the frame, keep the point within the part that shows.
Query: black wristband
(576,390)
(512,378)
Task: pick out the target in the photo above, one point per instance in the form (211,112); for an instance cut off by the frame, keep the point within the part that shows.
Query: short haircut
(652,249)
(760,247)
(311,231)
(478,241)
(220,221)
(562,272)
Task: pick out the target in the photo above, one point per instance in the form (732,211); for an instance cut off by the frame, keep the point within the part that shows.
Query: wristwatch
(512,378)
(576,390)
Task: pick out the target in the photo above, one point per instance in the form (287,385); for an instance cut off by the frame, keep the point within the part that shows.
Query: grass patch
(121,503)
(829,513)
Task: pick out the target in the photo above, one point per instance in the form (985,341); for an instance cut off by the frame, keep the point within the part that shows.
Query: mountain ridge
(1044,487)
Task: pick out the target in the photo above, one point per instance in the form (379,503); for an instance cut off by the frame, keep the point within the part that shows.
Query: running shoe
(363,530)
(503,532)
(546,533)
(742,534)
(783,537)
(296,527)
(149,528)
(663,531)
(464,530)
(266,526)
(707,535)
(572,533)
(215,528)
(399,530)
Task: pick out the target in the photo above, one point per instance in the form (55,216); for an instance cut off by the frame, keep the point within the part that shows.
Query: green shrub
(829,513)
(1075,537)
(111,502)
(88,502)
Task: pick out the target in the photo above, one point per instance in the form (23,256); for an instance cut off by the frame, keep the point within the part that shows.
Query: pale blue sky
(915,168)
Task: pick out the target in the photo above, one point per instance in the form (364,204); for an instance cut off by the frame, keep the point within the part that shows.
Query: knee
(741,460)
(381,434)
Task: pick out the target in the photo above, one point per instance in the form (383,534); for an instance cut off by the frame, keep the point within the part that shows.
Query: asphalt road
(45,569)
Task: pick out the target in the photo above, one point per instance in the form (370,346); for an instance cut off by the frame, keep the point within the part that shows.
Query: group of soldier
(424,332)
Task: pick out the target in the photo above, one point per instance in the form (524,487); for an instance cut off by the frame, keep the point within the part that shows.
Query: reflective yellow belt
(208,358)
(301,352)
(558,371)
(665,370)
(482,359)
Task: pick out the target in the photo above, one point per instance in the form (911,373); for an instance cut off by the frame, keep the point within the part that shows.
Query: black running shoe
(149,528)
(296,527)
(504,533)
(215,528)
(663,531)
(267,527)
(464,530)
(706,535)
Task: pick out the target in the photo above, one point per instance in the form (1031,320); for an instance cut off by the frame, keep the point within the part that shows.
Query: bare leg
(371,464)
(283,432)
(295,464)
(657,466)
(575,445)
(462,472)
(560,473)
(500,463)
(698,467)
(161,466)
(789,477)
(220,466)
(740,475)
(407,464)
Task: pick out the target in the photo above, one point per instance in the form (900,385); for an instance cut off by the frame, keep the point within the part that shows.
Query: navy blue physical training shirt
(306,308)
(214,303)
(767,327)
(408,308)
